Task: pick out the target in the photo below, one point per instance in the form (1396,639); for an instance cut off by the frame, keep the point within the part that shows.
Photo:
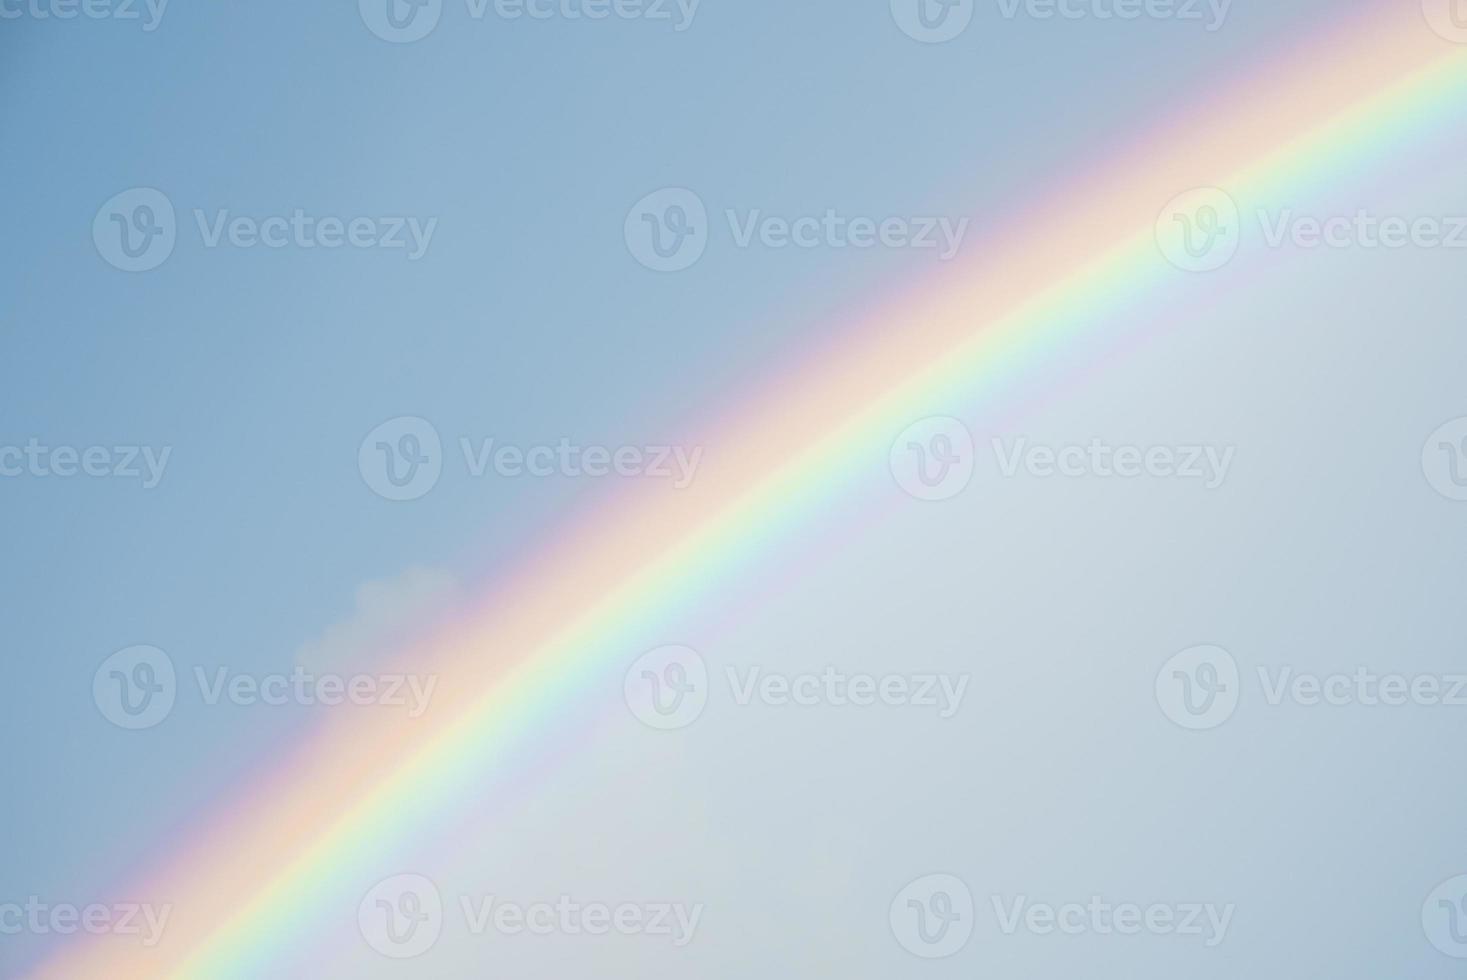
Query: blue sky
(527,319)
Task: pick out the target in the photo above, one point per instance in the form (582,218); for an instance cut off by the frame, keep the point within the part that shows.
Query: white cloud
(386,614)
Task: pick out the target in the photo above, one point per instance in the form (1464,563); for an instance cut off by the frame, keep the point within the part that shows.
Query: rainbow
(292,844)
